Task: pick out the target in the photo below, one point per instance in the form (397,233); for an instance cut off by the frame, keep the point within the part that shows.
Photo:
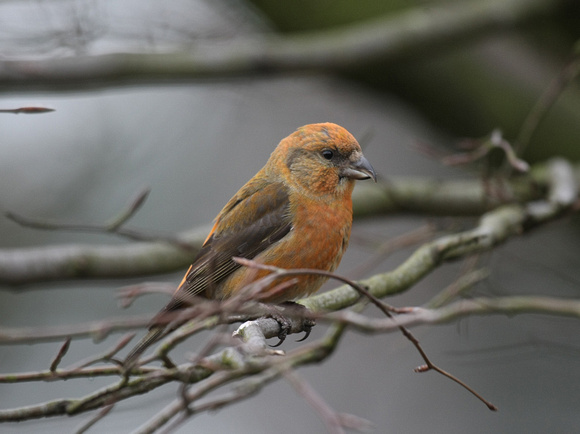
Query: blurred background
(195,140)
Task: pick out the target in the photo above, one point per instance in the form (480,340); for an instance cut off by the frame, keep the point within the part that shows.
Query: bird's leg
(296,310)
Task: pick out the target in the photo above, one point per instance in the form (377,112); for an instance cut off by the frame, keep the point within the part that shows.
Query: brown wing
(257,217)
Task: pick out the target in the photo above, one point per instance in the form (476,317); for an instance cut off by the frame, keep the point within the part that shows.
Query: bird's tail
(154,333)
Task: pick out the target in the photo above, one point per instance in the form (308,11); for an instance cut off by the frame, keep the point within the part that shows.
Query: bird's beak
(359,169)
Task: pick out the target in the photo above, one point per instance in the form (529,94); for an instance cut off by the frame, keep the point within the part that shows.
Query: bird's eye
(327,154)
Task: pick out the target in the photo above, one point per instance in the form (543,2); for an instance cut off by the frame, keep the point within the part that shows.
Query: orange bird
(296,212)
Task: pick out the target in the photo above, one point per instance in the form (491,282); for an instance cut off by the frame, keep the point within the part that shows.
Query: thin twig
(385,308)
(130,210)
(546,101)
(100,415)
(61,353)
(483,147)
(282,272)
(430,365)
(28,110)
(107,355)
(385,249)
(128,294)
(462,284)
(333,420)
(113,226)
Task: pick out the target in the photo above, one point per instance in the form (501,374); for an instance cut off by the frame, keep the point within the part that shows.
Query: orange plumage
(296,212)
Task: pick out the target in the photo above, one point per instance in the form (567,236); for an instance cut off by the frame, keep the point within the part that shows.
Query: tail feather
(155,332)
(160,325)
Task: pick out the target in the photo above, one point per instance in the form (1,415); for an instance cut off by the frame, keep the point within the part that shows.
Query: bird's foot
(291,311)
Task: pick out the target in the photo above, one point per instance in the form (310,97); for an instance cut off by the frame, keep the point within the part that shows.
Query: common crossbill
(296,212)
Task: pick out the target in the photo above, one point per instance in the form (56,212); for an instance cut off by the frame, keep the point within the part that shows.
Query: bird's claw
(285,327)
(307,325)
(286,324)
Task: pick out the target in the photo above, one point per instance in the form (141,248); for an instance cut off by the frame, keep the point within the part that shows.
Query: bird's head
(323,159)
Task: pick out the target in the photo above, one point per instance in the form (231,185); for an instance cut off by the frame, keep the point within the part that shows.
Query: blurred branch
(97,330)
(546,101)
(97,417)
(251,365)
(451,197)
(462,308)
(408,34)
(387,310)
(236,363)
(481,148)
(333,420)
(114,226)
(494,228)
(448,197)
(87,261)
(27,110)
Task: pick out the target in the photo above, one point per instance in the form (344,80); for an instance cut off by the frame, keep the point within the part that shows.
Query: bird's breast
(318,239)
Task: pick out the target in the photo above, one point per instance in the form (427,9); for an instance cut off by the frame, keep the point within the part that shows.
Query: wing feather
(256,218)
(248,225)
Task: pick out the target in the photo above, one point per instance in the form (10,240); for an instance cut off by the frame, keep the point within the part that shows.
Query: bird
(296,212)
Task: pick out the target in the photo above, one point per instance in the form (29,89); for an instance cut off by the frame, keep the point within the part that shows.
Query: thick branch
(494,228)
(464,197)
(85,261)
(462,308)
(407,34)
(239,366)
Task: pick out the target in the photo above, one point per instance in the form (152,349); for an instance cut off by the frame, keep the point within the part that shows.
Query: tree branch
(252,364)
(238,364)
(494,228)
(465,197)
(86,261)
(460,309)
(407,34)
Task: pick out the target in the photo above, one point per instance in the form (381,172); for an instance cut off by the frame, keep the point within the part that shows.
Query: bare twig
(106,355)
(429,365)
(128,294)
(92,421)
(113,226)
(256,369)
(61,353)
(333,420)
(462,284)
(385,308)
(28,110)
(546,101)
(483,147)
(515,305)
(386,248)
(278,273)
(97,330)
